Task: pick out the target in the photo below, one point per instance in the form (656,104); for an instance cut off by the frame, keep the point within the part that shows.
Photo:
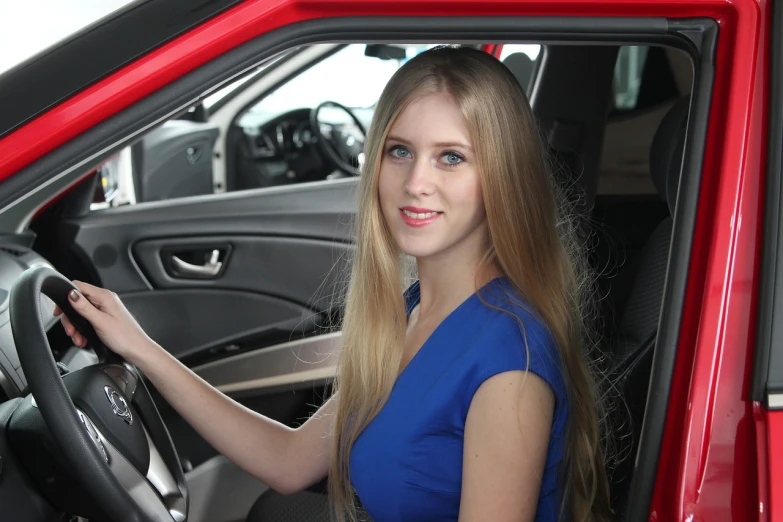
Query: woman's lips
(416,217)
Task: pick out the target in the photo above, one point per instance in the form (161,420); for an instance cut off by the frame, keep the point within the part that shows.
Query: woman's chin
(419,249)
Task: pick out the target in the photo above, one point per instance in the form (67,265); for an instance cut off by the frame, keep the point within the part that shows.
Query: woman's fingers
(79,340)
(99,297)
(67,325)
(83,306)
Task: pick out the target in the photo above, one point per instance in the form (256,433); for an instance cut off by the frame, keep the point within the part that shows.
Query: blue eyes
(452,158)
(400,152)
(449,158)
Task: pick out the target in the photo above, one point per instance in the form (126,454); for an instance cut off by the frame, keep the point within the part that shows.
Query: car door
(133,249)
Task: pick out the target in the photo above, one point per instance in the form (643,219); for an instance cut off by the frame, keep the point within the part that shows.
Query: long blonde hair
(530,240)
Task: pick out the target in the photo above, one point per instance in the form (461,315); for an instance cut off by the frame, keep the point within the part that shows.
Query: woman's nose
(420,178)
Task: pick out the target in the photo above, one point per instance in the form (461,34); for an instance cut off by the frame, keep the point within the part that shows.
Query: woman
(466,396)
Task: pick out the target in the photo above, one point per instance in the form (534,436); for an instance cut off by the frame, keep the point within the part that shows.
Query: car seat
(632,354)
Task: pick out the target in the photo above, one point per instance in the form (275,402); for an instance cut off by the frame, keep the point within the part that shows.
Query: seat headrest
(521,66)
(667,149)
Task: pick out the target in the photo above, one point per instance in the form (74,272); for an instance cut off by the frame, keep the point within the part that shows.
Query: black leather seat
(638,324)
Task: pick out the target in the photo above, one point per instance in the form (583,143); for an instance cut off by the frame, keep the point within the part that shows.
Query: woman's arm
(506,440)
(287,460)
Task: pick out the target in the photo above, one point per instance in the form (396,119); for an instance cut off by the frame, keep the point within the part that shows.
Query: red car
(198,159)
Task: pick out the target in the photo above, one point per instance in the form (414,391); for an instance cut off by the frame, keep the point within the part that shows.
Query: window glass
(520,60)
(531,50)
(628,76)
(348,77)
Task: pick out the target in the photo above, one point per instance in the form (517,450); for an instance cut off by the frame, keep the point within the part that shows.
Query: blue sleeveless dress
(407,464)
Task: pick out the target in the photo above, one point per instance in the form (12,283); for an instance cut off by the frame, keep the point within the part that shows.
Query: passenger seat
(638,325)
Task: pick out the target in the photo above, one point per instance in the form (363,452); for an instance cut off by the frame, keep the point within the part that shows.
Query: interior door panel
(281,261)
(320,211)
(261,268)
(190,322)
(294,268)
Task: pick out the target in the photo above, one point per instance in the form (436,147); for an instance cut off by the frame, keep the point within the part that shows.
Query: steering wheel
(339,147)
(101,418)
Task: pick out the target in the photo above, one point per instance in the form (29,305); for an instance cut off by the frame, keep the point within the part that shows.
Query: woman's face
(429,185)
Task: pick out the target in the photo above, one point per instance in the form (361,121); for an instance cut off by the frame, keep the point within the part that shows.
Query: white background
(30,26)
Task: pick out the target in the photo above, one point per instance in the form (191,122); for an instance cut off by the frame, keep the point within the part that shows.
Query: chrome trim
(172,507)
(118,404)
(158,473)
(210,268)
(775,401)
(92,431)
(296,362)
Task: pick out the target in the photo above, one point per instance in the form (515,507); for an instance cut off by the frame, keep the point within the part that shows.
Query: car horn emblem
(118,404)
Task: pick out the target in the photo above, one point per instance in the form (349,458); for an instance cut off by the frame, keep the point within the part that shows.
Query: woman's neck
(445,283)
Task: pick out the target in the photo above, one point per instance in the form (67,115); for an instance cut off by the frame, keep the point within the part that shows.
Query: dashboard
(289,135)
(285,150)
(280,151)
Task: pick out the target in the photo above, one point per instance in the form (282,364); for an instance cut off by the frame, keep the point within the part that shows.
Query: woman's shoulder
(513,336)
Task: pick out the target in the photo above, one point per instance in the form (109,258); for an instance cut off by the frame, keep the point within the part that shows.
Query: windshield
(348,77)
(26,32)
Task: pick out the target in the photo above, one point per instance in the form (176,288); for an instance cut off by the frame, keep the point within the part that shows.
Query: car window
(628,76)
(348,77)
(25,33)
(270,142)
(643,78)
(520,60)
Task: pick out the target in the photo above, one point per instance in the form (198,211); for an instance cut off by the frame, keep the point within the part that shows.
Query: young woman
(465,395)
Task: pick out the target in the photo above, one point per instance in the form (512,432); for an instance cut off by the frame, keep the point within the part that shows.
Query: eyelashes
(400,152)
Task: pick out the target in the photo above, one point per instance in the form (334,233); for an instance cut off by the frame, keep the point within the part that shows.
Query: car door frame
(767,380)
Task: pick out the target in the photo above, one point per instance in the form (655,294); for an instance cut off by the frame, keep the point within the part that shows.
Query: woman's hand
(114,325)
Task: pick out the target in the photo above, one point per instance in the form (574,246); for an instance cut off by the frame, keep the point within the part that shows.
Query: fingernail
(73,295)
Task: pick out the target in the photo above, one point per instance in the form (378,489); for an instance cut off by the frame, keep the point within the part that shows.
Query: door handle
(210,268)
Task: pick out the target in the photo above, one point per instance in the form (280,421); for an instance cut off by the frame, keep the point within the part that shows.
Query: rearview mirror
(385,52)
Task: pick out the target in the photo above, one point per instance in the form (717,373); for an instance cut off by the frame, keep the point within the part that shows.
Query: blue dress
(407,463)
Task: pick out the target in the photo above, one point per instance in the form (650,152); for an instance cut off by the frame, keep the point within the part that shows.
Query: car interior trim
(302,361)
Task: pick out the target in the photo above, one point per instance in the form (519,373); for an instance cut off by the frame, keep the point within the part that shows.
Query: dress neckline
(413,296)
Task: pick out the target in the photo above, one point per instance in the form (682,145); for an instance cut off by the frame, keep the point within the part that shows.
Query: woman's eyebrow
(391,137)
(445,144)
(439,144)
